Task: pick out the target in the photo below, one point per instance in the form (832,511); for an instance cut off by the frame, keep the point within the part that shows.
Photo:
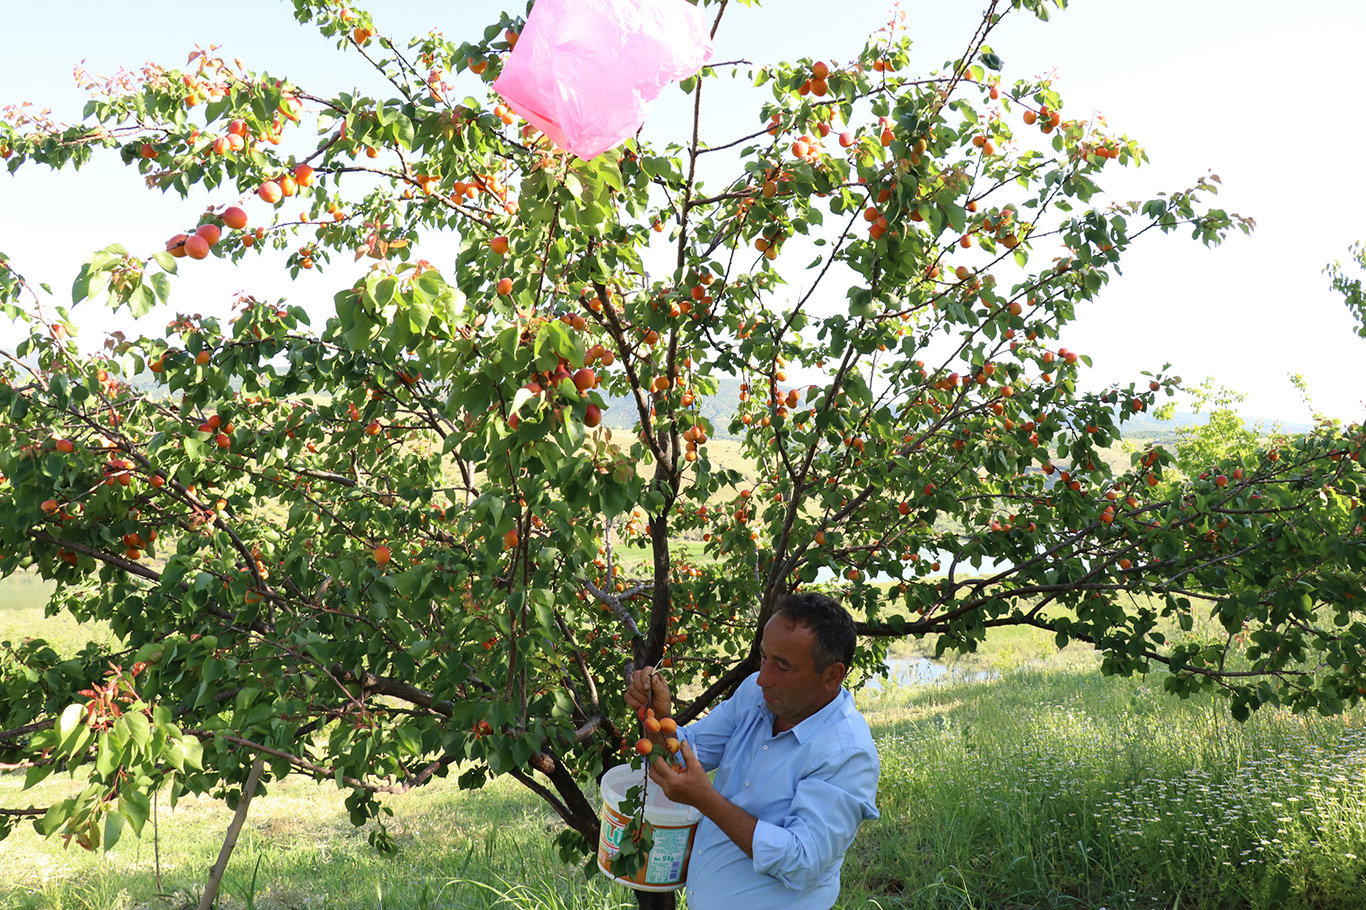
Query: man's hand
(688,784)
(691,786)
(649,690)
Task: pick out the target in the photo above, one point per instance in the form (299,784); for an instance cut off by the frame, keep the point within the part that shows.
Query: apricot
(196,247)
(270,191)
(235,218)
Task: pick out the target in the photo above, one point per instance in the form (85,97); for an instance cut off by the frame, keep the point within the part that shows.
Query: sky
(1262,94)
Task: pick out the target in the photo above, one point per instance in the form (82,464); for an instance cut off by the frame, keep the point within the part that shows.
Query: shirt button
(765,748)
(746,783)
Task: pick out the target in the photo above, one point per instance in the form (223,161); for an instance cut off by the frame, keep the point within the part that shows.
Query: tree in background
(1222,437)
(388,547)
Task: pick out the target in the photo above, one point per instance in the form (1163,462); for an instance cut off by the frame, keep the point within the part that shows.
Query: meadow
(1022,778)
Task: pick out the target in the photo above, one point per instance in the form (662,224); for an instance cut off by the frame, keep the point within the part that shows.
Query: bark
(230,840)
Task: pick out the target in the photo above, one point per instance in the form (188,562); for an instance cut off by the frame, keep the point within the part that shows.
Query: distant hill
(1146,425)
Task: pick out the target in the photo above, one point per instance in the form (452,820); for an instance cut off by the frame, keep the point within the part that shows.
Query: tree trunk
(656,900)
(230,840)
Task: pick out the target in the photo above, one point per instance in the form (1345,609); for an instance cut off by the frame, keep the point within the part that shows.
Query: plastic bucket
(666,867)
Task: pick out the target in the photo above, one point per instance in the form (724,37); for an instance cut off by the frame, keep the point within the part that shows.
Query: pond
(920,671)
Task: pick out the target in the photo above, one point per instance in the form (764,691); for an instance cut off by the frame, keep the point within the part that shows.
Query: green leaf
(136,807)
(113,829)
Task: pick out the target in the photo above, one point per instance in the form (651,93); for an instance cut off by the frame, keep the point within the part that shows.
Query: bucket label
(668,858)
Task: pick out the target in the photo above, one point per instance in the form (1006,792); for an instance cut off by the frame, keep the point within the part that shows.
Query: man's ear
(834,674)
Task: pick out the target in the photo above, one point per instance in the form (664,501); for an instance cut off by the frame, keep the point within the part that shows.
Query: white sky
(1262,94)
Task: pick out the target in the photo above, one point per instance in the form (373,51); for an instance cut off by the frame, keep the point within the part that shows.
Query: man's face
(793,690)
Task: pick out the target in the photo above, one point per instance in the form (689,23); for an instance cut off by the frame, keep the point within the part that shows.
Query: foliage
(1223,437)
(441,592)
(1349,287)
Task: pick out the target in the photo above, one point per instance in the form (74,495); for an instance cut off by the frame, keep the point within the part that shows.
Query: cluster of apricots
(1048,120)
(583,379)
(274,191)
(666,727)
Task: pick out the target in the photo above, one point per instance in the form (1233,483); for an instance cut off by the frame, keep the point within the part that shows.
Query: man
(796,768)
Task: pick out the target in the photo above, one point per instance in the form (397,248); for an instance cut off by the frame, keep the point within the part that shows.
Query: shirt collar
(812,725)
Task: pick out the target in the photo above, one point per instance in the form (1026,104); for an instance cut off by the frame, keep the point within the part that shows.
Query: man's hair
(829,622)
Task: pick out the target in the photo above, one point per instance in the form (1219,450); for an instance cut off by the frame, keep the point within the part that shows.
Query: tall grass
(1053,789)
(1046,786)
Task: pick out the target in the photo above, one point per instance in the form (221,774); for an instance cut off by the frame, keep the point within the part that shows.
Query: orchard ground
(1047,785)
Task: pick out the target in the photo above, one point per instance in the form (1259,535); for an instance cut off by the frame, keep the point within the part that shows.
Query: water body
(921,671)
(825,575)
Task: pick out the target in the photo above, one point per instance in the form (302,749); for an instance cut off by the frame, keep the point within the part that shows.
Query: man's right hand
(648,690)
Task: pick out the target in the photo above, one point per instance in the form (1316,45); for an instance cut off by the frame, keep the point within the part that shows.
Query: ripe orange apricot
(196,247)
(210,232)
(381,554)
(235,218)
(303,175)
(504,287)
(176,245)
(270,191)
(499,245)
(510,539)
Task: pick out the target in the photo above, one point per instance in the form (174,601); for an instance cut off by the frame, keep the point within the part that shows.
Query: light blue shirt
(810,788)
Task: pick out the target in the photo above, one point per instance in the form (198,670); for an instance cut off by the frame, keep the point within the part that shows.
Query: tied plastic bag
(585,72)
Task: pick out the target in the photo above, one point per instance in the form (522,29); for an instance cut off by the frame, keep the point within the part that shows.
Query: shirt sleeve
(709,734)
(830,804)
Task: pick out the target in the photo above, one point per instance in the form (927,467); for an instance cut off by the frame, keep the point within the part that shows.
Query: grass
(1045,786)
(299,851)
(23,599)
(1058,788)
(1023,780)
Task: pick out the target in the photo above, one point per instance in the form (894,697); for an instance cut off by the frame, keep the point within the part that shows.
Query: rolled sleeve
(827,810)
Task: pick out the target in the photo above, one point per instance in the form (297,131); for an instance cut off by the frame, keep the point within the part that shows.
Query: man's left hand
(688,784)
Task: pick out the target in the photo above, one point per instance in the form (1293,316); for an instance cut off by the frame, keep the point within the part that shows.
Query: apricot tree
(389,547)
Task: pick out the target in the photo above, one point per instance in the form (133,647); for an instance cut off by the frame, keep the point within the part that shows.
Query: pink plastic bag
(585,72)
